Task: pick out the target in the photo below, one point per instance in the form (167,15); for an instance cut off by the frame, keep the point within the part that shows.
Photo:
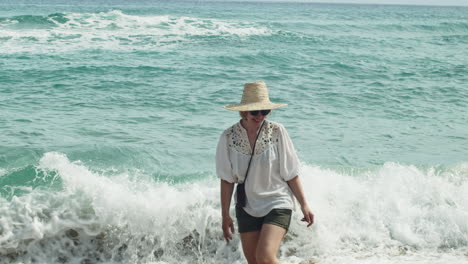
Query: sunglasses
(263,112)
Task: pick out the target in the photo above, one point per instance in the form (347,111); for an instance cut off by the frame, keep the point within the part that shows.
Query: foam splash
(96,218)
(120,201)
(396,213)
(396,207)
(114,30)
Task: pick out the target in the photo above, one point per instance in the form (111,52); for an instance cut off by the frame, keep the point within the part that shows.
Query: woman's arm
(226,194)
(296,188)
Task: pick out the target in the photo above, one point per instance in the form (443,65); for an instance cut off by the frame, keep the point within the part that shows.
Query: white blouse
(274,163)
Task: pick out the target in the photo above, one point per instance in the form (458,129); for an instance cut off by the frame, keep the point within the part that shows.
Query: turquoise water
(114,109)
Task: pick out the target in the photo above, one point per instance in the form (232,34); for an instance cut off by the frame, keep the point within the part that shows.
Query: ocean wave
(390,28)
(393,211)
(114,30)
(441,28)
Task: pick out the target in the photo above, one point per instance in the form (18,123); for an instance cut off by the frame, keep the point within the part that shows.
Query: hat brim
(253,106)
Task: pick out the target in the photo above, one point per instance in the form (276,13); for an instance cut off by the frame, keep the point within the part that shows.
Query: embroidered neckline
(238,139)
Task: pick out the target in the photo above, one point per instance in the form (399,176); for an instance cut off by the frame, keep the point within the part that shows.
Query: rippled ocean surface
(110,112)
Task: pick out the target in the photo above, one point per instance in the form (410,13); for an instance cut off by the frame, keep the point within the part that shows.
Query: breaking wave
(395,211)
(113,30)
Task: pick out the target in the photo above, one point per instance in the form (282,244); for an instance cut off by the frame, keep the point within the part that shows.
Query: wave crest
(394,210)
(114,30)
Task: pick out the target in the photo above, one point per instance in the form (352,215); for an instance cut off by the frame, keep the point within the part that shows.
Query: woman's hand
(228,228)
(296,188)
(226,194)
(308,215)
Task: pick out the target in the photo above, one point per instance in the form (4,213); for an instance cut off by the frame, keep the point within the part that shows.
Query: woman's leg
(268,244)
(249,245)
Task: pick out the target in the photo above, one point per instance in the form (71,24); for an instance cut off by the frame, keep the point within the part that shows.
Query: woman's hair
(243,114)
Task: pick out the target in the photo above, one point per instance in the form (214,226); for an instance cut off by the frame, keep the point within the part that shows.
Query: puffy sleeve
(289,162)
(223,162)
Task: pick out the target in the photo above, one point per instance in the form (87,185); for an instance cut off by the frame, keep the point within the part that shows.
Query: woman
(270,176)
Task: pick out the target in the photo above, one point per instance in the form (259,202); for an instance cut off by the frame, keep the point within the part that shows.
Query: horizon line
(332,3)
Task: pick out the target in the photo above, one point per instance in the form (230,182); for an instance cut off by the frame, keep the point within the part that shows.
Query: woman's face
(257,118)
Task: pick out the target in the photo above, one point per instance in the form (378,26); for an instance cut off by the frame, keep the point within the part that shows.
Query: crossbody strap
(253,151)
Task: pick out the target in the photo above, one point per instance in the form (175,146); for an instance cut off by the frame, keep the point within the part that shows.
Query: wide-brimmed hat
(254,97)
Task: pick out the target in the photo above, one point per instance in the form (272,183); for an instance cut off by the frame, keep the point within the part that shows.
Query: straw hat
(254,97)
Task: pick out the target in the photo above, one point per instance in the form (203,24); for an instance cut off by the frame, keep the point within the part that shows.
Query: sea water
(110,112)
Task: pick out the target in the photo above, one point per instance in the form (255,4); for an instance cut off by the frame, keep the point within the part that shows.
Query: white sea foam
(115,30)
(396,214)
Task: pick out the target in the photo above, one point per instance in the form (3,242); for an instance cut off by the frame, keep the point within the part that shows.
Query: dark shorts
(248,223)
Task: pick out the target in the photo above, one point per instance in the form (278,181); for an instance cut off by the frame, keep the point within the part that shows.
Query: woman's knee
(263,258)
(251,259)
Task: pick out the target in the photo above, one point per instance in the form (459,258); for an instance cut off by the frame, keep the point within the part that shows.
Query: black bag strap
(253,150)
